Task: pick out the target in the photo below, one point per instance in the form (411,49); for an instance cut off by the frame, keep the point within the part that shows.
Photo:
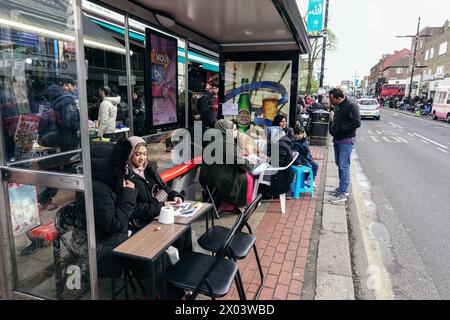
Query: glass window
(368,102)
(105,52)
(443,48)
(50,244)
(38,84)
(448,100)
(431,53)
(440,70)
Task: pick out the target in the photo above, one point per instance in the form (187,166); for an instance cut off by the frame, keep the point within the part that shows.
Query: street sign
(315,15)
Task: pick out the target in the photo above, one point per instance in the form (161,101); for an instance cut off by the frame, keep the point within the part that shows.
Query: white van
(441,104)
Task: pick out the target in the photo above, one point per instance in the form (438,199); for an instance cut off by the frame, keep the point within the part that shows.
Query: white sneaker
(338,198)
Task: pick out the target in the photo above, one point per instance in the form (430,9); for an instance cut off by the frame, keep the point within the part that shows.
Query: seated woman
(281,121)
(278,146)
(231,180)
(153,193)
(115,199)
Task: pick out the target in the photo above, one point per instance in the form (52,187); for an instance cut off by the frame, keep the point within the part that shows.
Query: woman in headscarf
(153,193)
(231,180)
(281,121)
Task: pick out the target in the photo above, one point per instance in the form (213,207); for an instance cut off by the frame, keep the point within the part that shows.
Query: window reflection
(50,243)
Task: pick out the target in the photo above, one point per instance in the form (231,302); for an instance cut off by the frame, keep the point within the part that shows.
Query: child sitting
(301,146)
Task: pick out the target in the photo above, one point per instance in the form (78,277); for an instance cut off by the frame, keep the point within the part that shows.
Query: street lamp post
(414,60)
(322,69)
(414,66)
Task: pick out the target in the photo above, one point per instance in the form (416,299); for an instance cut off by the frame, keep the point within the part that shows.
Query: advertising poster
(24,208)
(163,65)
(258,91)
(26,135)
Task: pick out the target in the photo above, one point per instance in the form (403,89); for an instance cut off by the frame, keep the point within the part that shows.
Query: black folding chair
(242,243)
(213,199)
(208,275)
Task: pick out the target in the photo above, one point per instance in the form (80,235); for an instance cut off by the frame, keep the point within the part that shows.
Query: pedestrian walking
(343,128)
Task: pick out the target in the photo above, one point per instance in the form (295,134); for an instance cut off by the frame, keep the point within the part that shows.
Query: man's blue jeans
(342,154)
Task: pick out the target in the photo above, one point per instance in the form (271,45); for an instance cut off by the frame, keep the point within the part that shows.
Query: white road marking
(442,150)
(370,132)
(395,125)
(385,138)
(426,142)
(374,139)
(411,134)
(396,139)
(379,132)
(433,142)
(401,139)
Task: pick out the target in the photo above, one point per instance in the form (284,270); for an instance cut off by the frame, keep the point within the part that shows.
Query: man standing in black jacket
(343,128)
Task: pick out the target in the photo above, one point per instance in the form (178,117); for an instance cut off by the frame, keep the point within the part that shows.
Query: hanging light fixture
(165,20)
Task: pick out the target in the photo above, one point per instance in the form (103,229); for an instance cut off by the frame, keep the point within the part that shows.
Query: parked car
(441,104)
(369,108)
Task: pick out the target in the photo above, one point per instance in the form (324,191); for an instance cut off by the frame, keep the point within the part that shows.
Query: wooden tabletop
(205,207)
(149,242)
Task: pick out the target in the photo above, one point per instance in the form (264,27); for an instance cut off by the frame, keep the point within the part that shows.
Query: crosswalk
(397,135)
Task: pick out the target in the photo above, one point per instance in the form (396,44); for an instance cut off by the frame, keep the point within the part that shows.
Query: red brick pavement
(282,243)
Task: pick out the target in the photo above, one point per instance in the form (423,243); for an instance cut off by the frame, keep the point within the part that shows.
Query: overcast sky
(368,28)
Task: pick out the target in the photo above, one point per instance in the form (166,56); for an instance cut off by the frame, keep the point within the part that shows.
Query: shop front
(155,57)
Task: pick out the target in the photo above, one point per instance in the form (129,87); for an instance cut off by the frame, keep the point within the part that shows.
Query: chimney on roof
(446,24)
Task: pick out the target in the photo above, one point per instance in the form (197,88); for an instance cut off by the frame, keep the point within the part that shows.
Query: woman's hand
(128,184)
(178,200)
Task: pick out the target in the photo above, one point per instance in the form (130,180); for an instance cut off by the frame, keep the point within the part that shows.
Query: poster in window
(26,134)
(261,90)
(162,52)
(24,208)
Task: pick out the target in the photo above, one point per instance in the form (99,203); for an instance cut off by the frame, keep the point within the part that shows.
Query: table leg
(152,281)
(125,283)
(163,278)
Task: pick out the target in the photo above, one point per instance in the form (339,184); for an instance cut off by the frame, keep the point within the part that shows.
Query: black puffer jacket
(113,204)
(281,182)
(147,206)
(346,120)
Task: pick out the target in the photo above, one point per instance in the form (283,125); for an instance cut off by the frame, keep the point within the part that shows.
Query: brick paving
(282,244)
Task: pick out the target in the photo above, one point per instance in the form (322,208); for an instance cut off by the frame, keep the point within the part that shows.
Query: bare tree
(316,53)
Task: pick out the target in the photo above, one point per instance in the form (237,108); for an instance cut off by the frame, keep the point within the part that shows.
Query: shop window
(114,61)
(50,244)
(95,57)
(443,48)
(38,92)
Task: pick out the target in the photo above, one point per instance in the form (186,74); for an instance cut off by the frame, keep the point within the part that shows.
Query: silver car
(369,108)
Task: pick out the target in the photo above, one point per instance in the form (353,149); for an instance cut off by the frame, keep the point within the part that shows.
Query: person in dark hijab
(231,180)
(281,121)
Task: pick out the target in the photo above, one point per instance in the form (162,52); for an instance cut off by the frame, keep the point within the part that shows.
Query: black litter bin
(319,128)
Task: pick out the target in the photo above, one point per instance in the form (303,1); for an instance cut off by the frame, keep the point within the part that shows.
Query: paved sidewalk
(283,244)
(334,271)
